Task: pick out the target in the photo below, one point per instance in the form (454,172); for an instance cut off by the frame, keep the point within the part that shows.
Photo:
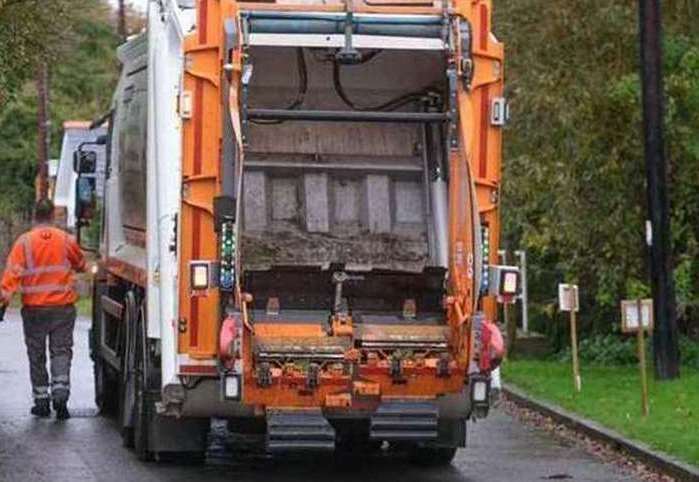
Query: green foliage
(574,181)
(618,350)
(83,71)
(689,350)
(606,350)
(612,396)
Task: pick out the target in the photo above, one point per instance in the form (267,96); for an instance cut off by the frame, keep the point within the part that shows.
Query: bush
(622,350)
(689,350)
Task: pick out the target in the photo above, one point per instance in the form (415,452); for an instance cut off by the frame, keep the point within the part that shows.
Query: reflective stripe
(40,392)
(16,269)
(28,258)
(61,379)
(54,268)
(45,289)
(60,386)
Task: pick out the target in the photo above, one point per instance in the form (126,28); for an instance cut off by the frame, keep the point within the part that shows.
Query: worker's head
(43,211)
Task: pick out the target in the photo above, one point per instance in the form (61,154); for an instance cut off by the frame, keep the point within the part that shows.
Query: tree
(574,192)
(84,69)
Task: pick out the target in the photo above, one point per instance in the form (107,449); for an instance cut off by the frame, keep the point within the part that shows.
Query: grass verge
(612,397)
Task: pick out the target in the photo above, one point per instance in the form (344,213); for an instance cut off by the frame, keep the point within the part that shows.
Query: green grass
(84,306)
(612,397)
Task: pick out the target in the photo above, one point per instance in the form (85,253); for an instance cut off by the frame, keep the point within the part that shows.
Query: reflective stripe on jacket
(40,267)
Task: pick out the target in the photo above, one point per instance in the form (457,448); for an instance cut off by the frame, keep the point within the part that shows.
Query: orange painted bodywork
(475,164)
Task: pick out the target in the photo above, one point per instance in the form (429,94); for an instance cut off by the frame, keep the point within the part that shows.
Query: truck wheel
(431,456)
(127,388)
(144,405)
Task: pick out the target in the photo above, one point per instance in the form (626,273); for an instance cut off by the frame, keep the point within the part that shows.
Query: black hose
(390,105)
(302,70)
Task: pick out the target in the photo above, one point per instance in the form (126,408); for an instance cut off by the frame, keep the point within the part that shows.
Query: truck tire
(144,408)
(127,388)
(432,456)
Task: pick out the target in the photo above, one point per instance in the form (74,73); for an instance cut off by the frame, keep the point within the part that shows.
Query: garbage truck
(299,228)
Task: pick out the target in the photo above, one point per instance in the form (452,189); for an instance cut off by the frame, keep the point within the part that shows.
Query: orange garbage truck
(300,225)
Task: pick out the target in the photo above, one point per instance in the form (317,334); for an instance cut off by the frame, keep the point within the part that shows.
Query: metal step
(294,430)
(403,421)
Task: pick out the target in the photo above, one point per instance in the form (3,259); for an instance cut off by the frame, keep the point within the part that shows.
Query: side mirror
(84,162)
(85,199)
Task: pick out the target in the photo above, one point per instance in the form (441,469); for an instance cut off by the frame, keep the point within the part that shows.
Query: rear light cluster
(231,355)
(227,255)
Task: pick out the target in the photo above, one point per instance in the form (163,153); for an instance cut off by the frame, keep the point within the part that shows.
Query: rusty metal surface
(401,333)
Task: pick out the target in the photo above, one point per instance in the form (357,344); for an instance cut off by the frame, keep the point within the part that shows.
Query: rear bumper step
(293,430)
(405,421)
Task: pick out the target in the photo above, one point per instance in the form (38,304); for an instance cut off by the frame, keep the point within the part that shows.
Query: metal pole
(642,359)
(524,297)
(665,343)
(346,116)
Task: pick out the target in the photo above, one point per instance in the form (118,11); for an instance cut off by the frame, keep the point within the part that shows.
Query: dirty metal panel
(310,348)
(401,333)
(352,193)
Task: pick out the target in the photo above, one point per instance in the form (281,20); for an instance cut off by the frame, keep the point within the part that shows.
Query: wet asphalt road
(88,447)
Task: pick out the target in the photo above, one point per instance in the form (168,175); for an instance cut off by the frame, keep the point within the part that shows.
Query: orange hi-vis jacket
(40,267)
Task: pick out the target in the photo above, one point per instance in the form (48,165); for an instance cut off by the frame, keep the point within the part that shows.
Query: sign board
(629,315)
(568,298)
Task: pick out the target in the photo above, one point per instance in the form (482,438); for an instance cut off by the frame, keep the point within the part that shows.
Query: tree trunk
(122,19)
(43,139)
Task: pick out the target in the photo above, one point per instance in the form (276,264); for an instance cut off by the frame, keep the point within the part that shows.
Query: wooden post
(574,350)
(642,359)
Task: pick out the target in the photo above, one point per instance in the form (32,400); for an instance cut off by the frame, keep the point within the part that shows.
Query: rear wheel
(127,395)
(144,404)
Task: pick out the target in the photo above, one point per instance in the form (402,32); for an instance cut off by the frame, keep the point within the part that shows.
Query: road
(87,447)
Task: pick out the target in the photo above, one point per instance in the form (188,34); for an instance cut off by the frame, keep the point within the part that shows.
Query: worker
(40,267)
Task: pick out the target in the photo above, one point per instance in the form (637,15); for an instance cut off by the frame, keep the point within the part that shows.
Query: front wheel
(431,456)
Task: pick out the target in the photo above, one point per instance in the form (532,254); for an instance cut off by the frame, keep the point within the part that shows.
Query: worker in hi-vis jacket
(40,267)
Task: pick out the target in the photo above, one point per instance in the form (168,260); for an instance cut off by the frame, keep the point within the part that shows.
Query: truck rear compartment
(348,193)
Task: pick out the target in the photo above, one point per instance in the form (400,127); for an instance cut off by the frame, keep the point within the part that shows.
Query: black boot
(41,408)
(61,408)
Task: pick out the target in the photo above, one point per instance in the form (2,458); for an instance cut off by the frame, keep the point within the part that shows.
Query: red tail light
(492,346)
(229,339)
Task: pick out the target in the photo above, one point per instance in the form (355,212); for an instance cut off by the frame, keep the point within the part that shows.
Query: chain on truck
(300,228)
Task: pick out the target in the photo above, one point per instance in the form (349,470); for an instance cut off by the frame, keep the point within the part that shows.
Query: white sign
(568,298)
(629,315)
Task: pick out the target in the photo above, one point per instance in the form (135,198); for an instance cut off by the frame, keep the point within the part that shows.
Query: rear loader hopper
(300,226)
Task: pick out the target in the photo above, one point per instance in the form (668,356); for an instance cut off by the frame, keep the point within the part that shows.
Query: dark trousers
(55,323)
